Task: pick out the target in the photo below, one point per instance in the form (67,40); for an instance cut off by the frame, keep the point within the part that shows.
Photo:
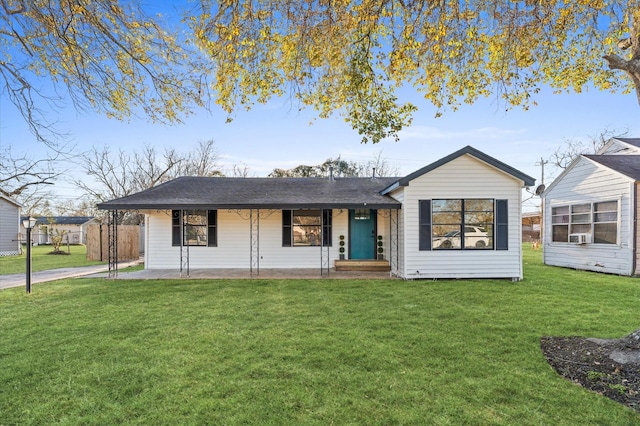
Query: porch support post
(254,243)
(393,240)
(112,238)
(325,258)
(184,249)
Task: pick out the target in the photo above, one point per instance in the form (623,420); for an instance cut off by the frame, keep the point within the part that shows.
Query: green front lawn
(97,351)
(41,260)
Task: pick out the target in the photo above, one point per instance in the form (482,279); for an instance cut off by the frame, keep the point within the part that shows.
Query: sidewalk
(19,280)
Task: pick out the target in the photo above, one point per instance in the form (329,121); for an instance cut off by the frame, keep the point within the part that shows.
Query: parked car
(474,236)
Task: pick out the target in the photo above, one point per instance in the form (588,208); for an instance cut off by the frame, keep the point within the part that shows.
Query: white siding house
(458,217)
(590,212)
(9,226)
(467,179)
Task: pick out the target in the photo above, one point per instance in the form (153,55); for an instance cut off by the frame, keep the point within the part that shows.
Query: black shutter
(212,228)
(326,227)
(424,226)
(502,225)
(175,227)
(286,228)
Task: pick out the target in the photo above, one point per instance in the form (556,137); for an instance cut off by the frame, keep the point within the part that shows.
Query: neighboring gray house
(9,227)
(459,217)
(591,211)
(74,227)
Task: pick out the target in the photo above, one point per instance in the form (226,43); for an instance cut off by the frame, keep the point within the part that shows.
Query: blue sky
(278,135)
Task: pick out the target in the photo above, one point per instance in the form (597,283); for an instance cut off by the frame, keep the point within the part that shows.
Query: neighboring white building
(591,211)
(9,227)
(74,229)
(459,217)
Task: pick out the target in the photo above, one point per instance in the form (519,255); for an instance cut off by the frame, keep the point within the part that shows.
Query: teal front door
(362,234)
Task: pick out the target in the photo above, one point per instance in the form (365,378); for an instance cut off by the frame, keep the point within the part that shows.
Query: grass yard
(317,352)
(41,260)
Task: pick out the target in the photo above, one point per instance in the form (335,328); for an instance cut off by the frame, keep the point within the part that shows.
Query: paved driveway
(18,280)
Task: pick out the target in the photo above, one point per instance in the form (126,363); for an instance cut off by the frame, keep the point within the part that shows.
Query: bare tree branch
(19,172)
(118,174)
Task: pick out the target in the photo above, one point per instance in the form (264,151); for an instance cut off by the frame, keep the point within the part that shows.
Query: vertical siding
(382,229)
(464,177)
(9,227)
(234,242)
(589,182)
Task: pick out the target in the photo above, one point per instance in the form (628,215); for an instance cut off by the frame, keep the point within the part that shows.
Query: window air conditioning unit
(579,238)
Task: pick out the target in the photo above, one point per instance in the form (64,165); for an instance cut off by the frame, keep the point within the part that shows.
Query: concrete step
(363,265)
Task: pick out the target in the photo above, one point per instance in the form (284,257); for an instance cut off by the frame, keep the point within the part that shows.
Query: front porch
(238,273)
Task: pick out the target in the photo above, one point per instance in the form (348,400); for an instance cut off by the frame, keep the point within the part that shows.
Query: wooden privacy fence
(98,242)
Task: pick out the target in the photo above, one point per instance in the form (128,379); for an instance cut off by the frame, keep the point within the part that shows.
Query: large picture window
(600,220)
(463,224)
(196,227)
(306,227)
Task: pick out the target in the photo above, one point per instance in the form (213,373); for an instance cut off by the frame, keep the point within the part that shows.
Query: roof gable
(620,146)
(630,141)
(10,200)
(623,164)
(468,150)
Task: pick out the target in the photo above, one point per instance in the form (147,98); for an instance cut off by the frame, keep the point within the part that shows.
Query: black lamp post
(28,224)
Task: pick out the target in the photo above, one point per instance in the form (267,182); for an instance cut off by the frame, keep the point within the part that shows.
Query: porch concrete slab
(232,273)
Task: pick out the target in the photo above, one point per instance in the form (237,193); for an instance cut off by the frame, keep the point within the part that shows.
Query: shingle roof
(60,220)
(628,165)
(275,193)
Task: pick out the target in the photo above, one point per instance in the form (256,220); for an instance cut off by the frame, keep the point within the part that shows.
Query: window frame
(568,211)
(497,237)
(179,227)
(463,213)
(325,227)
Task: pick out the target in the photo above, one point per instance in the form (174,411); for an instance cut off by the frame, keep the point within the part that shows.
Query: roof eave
(289,206)
(390,188)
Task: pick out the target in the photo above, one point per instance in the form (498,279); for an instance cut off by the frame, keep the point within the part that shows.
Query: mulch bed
(608,367)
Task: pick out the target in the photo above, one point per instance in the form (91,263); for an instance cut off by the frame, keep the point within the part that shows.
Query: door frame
(374,217)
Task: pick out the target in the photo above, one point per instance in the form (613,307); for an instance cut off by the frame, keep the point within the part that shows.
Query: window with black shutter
(502,225)
(194,228)
(424,227)
(326,227)
(176,226)
(286,228)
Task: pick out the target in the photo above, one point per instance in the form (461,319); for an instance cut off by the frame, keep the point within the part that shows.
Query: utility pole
(541,164)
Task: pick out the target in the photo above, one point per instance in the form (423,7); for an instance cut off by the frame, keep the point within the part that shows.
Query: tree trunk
(630,66)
